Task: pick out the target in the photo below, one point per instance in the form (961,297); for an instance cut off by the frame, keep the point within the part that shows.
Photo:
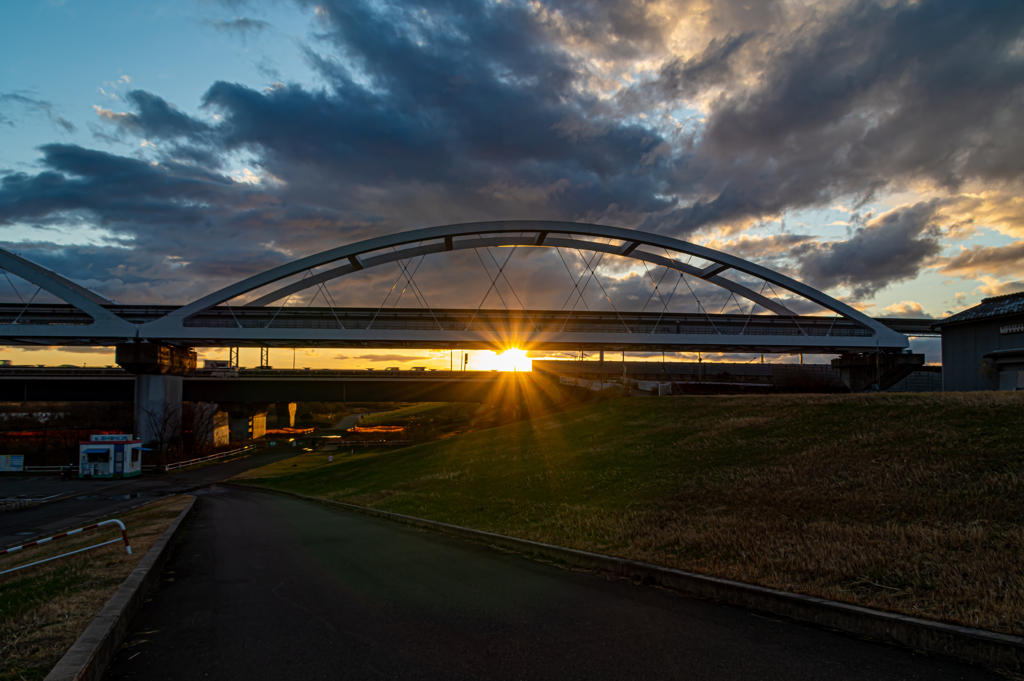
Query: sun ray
(512,359)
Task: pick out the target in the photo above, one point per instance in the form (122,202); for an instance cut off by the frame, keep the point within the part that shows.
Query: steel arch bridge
(89,319)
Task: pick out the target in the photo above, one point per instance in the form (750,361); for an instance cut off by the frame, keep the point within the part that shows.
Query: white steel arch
(381,250)
(68,291)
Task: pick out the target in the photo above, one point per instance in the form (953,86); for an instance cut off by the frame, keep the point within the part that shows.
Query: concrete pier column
(220,435)
(285,414)
(159,370)
(247,427)
(216,421)
(247,421)
(157,406)
(239,428)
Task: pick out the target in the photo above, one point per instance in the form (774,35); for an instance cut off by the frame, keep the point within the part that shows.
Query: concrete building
(110,456)
(983,347)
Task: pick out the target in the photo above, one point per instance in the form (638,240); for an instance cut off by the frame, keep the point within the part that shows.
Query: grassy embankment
(909,503)
(416,413)
(428,420)
(44,609)
(449,415)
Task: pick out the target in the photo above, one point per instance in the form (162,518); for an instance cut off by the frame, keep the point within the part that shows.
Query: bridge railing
(206,459)
(757,326)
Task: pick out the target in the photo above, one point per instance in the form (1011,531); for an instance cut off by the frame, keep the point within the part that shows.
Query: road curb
(92,653)
(977,646)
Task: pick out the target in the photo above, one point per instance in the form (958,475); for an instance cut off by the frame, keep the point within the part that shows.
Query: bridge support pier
(157,406)
(285,414)
(159,370)
(248,427)
(247,421)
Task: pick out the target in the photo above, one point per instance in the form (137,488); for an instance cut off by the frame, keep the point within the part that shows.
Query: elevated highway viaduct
(258,385)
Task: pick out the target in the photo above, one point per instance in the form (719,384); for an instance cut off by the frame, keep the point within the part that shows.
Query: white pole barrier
(124,538)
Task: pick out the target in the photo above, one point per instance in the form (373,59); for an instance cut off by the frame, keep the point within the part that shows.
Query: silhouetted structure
(983,347)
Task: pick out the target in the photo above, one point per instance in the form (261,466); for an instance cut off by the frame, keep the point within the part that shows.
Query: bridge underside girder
(460,386)
(467,329)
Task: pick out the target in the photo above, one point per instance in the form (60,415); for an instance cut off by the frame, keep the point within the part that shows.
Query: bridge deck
(458,328)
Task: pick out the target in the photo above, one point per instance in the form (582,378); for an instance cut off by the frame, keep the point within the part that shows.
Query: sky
(157,151)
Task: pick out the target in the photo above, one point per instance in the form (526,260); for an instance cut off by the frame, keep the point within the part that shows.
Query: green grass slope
(418,412)
(911,503)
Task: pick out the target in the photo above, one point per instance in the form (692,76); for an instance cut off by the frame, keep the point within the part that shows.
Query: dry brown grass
(44,609)
(859,519)
(907,503)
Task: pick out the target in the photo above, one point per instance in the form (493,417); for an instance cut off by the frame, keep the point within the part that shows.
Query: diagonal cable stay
(493,283)
(606,296)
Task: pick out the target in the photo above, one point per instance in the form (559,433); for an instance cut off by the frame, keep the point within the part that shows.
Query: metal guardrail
(203,459)
(123,537)
(154,467)
(368,443)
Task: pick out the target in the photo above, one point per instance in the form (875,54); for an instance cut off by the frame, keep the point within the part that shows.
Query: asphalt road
(98,498)
(268,587)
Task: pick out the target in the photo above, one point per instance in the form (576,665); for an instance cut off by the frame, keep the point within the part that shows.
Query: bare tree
(164,426)
(196,427)
(182,432)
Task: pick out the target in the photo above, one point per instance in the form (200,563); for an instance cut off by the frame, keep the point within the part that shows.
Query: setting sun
(512,359)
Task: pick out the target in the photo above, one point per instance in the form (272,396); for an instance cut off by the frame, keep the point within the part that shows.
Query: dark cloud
(771,251)
(242,26)
(617,29)
(387,358)
(978,261)
(155,118)
(851,103)
(114,189)
(32,104)
(485,112)
(440,111)
(685,79)
(890,249)
(80,350)
(624,31)
(177,230)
